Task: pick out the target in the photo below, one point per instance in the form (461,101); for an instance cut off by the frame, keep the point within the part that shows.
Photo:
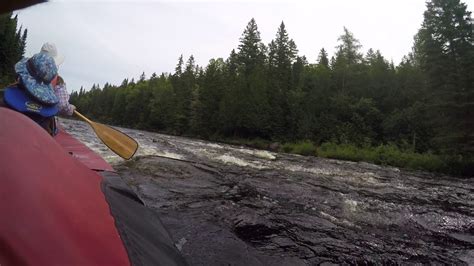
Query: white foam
(260,154)
(144,150)
(213,145)
(200,152)
(240,162)
(233,160)
(299,168)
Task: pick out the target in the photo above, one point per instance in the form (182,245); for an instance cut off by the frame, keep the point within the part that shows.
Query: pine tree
(210,97)
(282,50)
(445,49)
(179,67)
(184,84)
(251,49)
(282,55)
(323,58)
(12,47)
(142,77)
(380,81)
(248,104)
(162,105)
(124,83)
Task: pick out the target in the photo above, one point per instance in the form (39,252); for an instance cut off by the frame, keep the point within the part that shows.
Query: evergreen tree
(248,101)
(251,49)
(210,97)
(142,77)
(347,65)
(317,90)
(162,105)
(323,58)
(446,52)
(120,101)
(380,81)
(179,67)
(12,47)
(282,55)
(184,85)
(228,106)
(124,83)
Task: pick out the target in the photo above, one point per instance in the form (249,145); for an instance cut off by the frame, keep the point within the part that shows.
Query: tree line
(425,104)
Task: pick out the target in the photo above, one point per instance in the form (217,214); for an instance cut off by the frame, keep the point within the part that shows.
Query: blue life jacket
(18,99)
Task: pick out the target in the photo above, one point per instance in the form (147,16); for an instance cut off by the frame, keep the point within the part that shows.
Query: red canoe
(61,204)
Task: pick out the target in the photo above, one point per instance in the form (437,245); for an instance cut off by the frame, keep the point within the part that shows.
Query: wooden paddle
(120,143)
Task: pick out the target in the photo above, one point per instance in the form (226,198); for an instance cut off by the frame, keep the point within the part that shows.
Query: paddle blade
(120,143)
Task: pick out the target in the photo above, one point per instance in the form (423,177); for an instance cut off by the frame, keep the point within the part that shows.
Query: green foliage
(245,108)
(445,49)
(303,148)
(323,58)
(352,103)
(282,76)
(384,155)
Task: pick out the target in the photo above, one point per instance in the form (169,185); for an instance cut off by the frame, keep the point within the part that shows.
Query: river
(230,205)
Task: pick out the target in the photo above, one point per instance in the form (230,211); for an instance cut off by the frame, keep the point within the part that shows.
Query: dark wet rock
(342,216)
(226,205)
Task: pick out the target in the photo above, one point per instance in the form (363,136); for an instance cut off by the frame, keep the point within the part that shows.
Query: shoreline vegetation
(384,155)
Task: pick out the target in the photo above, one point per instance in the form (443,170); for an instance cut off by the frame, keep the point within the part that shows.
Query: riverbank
(384,155)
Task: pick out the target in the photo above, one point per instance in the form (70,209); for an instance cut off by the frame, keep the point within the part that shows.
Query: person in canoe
(60,90)
(33,93)
(40,93)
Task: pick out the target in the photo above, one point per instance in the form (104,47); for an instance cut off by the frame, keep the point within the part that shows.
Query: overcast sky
(107,41)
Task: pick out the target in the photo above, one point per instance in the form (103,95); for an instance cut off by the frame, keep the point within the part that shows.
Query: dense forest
(350,105)
(269,92)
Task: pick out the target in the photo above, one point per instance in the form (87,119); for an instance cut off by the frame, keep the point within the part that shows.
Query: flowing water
(230,205)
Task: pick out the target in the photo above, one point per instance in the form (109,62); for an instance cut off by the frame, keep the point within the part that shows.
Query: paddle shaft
(83,117)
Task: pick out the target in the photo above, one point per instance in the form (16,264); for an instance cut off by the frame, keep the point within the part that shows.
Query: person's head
(51,50)
(35,75)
